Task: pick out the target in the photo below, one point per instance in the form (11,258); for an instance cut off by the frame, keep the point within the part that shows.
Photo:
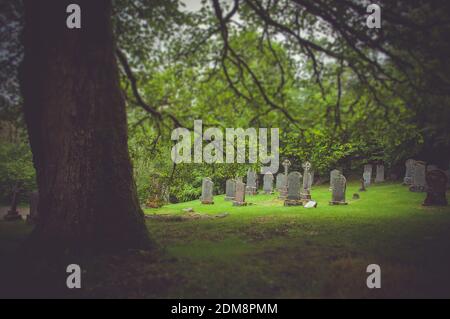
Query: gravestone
(418,180)
(284,189)
(334,173)
(367,175)
(230,189)
(293,196)
(281,181)
(268,183)
(366,178)
(251,188)
(339,189)
(363,187)
(239,199)
(407,180)
(207,191)
(437,187)
(307,182)
(34,202)
(379,178)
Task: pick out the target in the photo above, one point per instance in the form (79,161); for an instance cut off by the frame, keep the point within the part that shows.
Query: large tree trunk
(76,119)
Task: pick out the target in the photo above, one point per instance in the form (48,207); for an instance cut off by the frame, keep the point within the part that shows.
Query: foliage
(16,168)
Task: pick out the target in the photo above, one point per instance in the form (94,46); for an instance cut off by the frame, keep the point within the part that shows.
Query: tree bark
(76,119)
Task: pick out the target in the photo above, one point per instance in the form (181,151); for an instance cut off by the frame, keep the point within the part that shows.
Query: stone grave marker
(207,191)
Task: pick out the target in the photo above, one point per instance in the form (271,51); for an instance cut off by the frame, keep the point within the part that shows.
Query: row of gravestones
(294,191)
(294,188)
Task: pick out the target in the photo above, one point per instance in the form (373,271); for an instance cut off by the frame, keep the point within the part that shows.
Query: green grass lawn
(266,250)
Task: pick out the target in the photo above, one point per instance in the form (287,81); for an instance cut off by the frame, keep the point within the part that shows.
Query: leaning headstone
(437,187)
(418,180)
(367,175)
(251,188)
(379,178)
(407,180)
(338,192)
(230,189)
(207,191)
(268,183)
(239,199)
(284,189)
(306,189)
(281,181)
(34,202)
(293,196)
(334,173)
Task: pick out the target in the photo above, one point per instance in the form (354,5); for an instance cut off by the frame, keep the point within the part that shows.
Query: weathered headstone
(268,183)
(407,180)
(334,173)
(367,178)
(367,175)
(305,193)
(251,188)
(281,181)
(230,189)
(379,178)
(293,196)
(239,199)
(437,187)
(418,180)
(34,202)
(284,189)
(207,191)
(363,187)
(339,189)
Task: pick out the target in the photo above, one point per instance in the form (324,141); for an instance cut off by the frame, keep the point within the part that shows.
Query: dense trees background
(341,93)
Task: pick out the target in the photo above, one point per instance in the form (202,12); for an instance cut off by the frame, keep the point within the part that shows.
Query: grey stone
(281,181)
(305,193)
(284,188)
(339,189)
(268,183)
(251,188)
(230,189)
(407,180)
(418,179)
(188,210)
(367,175)
(334,173)
(239,199)
(293,195)
(379,178)
(207,191)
